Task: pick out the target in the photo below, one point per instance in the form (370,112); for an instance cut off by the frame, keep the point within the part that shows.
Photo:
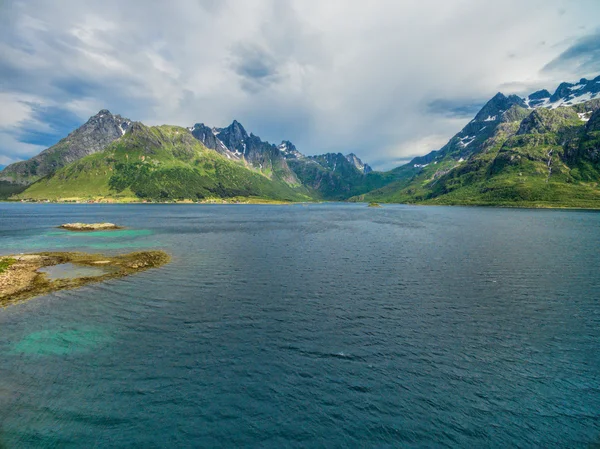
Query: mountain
(333,176)
(360,165)
(113,158)
(330,176)
(158,163)
(208,136)
(542,150)
(235,143)
(96,134)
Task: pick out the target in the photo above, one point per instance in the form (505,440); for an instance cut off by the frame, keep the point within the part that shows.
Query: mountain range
(542,150)
(113,158)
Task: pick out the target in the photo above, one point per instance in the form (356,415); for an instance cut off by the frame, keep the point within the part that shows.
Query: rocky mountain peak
(500,103)
(360,165)
(540,94)
(210,139)
(538,98)
(234,137)
(93,136)
(289,150)
(562,91)
(566,94)
(237,129)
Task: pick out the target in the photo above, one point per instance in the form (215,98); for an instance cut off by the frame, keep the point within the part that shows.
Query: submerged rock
(89,226)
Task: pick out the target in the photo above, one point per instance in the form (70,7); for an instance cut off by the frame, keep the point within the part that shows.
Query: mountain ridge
(233,143)
(536,151)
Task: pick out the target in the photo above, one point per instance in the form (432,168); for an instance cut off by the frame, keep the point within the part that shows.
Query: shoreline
(20,279)
(291,203)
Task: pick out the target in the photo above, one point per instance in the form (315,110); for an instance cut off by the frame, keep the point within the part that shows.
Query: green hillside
(539,158)
(158,163)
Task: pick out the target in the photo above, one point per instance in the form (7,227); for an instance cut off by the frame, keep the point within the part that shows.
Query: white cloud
(18,150)
(340,75)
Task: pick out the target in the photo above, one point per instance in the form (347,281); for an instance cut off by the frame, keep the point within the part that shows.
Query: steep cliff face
(96,134)
(235,143)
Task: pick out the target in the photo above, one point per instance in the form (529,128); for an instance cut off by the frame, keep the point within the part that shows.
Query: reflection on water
(71,270)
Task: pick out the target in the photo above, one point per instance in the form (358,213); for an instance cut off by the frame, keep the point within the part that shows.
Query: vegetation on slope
(549,158)
(158,163)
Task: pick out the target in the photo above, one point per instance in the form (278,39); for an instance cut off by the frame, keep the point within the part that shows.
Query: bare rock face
(360,165)
(89,227)
(96,134)
(235,143)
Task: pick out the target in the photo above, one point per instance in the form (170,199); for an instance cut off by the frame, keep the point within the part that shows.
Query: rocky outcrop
(208,136)
(500,103)
(360,165)
(21,280)
(89,226)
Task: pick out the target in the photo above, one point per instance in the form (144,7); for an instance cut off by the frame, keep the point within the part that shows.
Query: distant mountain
(360,165)
(568,94)
(541,150)
(2,167)
(96,134)
(96,161)
(330,176)
(158,163)
(334,176)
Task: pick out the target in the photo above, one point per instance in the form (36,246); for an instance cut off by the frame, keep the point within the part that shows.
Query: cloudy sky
(386,79)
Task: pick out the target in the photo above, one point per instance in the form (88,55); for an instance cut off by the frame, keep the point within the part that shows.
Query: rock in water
(89,226)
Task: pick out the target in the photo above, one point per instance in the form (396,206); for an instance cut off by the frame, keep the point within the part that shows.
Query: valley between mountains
(542,150)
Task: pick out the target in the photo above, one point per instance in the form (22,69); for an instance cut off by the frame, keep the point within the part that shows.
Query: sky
(385,79)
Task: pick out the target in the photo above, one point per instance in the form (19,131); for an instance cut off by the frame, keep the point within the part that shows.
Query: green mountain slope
(528,158)
(158,163)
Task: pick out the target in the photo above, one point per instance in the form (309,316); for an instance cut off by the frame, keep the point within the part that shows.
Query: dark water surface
(309,326)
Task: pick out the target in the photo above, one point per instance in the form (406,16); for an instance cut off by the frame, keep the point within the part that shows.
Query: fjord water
(316,325)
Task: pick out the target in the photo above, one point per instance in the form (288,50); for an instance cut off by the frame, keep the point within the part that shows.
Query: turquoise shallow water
(70,270)
(309,326)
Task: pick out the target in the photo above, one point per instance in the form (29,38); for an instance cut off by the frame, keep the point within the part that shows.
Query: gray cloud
(459,108)
(583,55)
(256,67)
(388,82)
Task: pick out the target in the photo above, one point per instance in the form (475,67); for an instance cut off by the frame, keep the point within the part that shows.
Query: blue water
(309,326)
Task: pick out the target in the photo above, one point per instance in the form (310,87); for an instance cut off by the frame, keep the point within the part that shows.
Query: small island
(87,227)
(22,276)
(372,204)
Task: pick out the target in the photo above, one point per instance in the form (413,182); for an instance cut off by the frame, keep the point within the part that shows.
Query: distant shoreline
(533,206)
